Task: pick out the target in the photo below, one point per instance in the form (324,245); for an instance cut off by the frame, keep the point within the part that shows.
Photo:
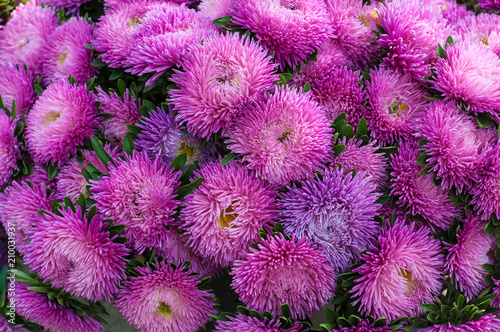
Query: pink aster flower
(214,8)
(61,119)
(25,35)
(395,106)
(284,137)
(293,29)
(94,265)
(242,323)
(496,290)
(165,299)
(139,194)
(19,206)
(223,216)
(413,31)
(470,73)
(40,176)
(465,258)
(484,324)
(452,146)
(364,326)
(37,307)
(9,148)
(418,192)
(218,79)
(336,213)
(484,28)
(284,271)
(399,275)
(124,111)
(65,52)
(163,38)
(16,85)
(491,5)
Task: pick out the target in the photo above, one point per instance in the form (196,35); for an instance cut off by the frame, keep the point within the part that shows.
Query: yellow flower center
(50,117)
(226,216)
(164,310)
(132,22)
(190,149)
(285,135)
(62,58)
(407,275)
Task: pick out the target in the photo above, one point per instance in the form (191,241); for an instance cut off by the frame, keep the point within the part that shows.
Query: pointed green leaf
(228,158)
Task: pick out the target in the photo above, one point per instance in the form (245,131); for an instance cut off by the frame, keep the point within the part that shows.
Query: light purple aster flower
(165,300)
(363,326)
(293,271)
(16,85)
(9,148)
(94,265)
(38,308)
(243,323)
(293,29)
(413,31)
(418,192)
(139,194)
(452,146)
(465,258)
(163,38)
(214,9)
(61,119)
(336,213)
(25,35)
(65,53)
(395,106)
(222,218)
(399,275)
(19,207)
(484,28)
(470,73)
(124,112)
(284,137)
(218,79)
(6,327)
(484,324)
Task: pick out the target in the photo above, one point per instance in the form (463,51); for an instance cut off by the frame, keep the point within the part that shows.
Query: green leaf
(430,307)
(101,153)
(39,289)
(69,203)
(440,52)
(52,171)
(221,21)
(348,132)
(116,74)
(228,158)
(362,128)
(381,322)
(306,88)
(383,199)
(424,171)
(89,47)
(338,149)
(149,105)
(121,86)
(179,162)
(278,228)
(422,160)
(243,310)
(128,144)
(489,228)
(38,89)
(98,63)
(450,41)
(285,310)
(482,120)
(331,316)
(187,189)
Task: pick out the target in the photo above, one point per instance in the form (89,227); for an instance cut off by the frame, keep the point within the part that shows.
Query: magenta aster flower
(163,38)
(465,258)
(395,106)
(65,53)
(16,85)
(214,8)
(37,307)
(484,324)
(470,73)
(19,206)
(40,176)
(496,290)
(165,300)
(25,35)
(336,213)
(399,275)
(452,146)
(139,194)
(363,326)
(61,119)
(222,218)
(418,193)
(242,323)
(94,265)
(284,271)
(9,148)
(6,327)
(218,79)
(124,112)
(491,5)
(413,31)
(284,137)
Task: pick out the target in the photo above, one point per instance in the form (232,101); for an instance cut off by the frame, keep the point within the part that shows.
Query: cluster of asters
(322,156)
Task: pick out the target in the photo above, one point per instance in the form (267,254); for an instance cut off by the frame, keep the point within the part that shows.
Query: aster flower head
(61,119)
(214,9)
(281,271)
(243,323)
(165,299)
(418,192)
(163,38)
(470,73)
(483,28)
(483,324)
(37,307)
(334,212)
(399,275)
(452,146)
(71,6)
(222,218)
(490,5)
(218,79)
(139,194)
(16,85)
(284,137)
(9,148)
(65,53)
(25,35)
(40,176)
(364,326)
(94,266)
(124,111)
(395,105)
(293,29)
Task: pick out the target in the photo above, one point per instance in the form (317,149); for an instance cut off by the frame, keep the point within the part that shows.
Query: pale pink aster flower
(17,85)
(242,323)
(214,9)
(9,148)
